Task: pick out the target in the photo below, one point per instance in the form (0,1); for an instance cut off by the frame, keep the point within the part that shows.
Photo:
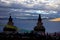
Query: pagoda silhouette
(39,27)
(10,26)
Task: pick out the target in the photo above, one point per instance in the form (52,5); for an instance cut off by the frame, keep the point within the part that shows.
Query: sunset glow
(56,19)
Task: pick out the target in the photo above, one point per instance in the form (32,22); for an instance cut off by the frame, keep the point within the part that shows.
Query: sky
(29,8)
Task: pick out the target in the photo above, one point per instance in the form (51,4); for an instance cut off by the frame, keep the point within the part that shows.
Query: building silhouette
(10,32)
(10,26)
(39,27)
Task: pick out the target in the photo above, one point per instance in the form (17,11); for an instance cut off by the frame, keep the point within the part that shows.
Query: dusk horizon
(30,9)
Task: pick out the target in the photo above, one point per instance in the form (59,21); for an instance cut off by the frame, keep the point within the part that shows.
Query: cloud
(36,11)
(34,4)
(29,7)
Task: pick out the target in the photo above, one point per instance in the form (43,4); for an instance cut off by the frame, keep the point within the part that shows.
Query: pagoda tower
(39,28)
(10,26)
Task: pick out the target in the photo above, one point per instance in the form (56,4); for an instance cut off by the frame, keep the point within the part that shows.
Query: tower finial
(10,18)
(39,19)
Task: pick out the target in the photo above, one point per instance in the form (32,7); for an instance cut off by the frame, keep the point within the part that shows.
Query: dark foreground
(27,36)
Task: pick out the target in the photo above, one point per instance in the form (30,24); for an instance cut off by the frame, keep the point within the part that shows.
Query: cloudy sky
(29,8)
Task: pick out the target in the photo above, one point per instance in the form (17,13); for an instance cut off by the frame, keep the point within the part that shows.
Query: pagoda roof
(10,26)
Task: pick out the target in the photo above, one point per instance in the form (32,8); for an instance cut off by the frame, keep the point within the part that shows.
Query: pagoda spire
(10,22)
(39,20)
(39,27)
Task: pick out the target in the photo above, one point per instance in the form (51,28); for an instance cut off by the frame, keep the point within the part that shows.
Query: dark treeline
(28,36)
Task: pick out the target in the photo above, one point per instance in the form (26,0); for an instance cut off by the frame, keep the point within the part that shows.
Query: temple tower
(10,26)
(39,28)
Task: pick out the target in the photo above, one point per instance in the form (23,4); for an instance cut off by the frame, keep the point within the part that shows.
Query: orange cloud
(56,19)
